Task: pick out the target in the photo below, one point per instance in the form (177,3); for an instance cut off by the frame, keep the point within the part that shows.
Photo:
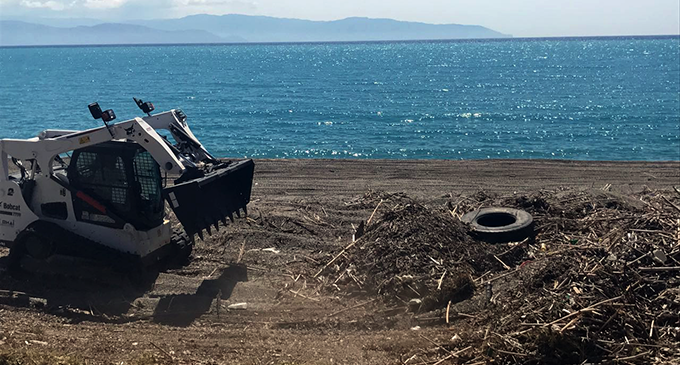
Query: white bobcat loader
(108,202)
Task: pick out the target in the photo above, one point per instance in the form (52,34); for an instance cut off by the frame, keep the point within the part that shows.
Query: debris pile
(601,283)
(415,255)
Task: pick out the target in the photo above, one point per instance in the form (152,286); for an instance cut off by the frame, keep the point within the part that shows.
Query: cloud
(103,4)
(116,10)
(212,3)
(52,5)
(73,4)
(80,5)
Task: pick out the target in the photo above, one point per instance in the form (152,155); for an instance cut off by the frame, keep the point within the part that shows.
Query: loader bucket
(202,203)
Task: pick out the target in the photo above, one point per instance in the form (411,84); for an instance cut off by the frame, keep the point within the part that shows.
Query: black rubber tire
(500,225)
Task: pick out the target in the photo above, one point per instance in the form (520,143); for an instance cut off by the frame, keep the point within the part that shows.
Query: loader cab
(116,183)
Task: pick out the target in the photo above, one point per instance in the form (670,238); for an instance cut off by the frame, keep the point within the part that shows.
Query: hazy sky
(529,18)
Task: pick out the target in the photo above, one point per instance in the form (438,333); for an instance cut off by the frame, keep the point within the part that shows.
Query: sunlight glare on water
(586,99)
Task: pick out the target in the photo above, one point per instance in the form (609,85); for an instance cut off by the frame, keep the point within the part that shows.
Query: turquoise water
(586,99)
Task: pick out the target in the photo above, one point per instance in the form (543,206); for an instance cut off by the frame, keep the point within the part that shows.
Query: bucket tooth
(207,228)
(224,213)
(231,217)
(200,235)
(238,214)
(224,221)
(245,210)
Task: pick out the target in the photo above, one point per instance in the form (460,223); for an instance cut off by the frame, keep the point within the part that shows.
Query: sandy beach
(299,310)
(428,178)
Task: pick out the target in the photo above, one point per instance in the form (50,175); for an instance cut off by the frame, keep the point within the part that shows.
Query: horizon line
(510,38)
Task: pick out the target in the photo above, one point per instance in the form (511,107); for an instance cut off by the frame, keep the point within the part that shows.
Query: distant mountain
(229,29)
(13,33)
(61,22)
(268,29)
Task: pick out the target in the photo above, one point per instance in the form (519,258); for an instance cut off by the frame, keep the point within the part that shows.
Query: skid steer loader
(107,201)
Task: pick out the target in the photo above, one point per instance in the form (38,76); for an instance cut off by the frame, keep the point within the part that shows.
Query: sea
(572,98)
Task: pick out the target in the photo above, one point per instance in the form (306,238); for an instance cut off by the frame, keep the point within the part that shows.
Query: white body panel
(44,149)
(16,214)
(128,240)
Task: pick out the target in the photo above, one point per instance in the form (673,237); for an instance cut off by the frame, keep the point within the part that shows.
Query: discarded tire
(498,225)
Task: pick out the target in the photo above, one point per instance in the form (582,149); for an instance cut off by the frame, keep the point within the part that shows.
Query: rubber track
(71,244)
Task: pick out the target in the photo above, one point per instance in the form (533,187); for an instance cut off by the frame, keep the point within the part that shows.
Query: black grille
(122,177)
(146,174)
(104,175)
(148,180)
